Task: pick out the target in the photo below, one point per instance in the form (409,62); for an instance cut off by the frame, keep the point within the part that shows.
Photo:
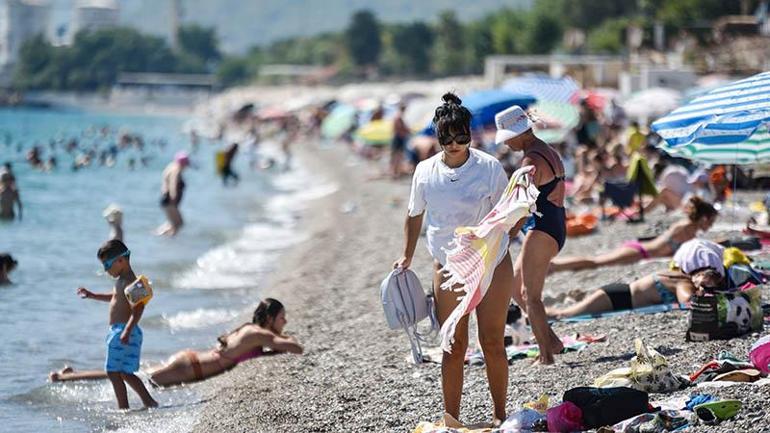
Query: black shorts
(398,144)
(620,295)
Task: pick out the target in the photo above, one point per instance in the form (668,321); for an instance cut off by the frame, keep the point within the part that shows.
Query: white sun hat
(511,122)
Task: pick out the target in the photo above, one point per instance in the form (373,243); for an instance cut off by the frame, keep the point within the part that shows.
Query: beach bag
(607,406)
(648,372)
(759,354)
(564,418)
(725,315)
(405,305)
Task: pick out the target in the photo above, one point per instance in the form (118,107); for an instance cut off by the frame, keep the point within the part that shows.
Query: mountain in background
(241,24)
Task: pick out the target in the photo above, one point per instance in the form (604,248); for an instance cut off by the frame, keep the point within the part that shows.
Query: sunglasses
(462,139)
(108,263)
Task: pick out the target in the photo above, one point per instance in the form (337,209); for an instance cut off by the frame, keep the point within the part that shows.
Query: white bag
(405,305)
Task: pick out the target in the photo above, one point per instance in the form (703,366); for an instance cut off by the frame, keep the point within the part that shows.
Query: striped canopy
(752,151)
(543,87)
(722,124)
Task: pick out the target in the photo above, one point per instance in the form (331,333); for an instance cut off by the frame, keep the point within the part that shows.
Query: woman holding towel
(458,187)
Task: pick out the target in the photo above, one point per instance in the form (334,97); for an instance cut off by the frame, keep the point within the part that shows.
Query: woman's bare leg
(491,314)
(538,250)
(595,302)
(175,372)
(452,363)
(620,256)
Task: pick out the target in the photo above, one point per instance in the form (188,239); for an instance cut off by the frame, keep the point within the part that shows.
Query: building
(20,20)
(90,15)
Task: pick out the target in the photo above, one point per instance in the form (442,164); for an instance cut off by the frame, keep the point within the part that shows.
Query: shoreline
(356,374)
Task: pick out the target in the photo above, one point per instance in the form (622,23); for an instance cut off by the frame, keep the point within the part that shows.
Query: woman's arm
(412,227)
(684,291)
(283,344)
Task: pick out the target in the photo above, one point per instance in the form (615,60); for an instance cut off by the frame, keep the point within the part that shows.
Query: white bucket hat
(511,122)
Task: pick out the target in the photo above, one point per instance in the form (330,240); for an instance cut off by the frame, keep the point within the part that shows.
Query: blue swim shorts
(121,357)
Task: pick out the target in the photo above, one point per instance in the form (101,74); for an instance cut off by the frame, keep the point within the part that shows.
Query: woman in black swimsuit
(547,235)
(171,191)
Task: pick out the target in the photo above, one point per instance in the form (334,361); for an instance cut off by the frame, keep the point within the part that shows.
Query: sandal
(715,411)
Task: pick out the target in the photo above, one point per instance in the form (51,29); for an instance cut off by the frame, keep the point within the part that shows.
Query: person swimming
(263,336)
(7,264)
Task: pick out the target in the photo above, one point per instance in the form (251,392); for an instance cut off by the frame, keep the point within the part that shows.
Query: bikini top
(547,189)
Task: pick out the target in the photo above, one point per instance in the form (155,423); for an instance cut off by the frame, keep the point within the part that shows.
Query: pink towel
(472,258)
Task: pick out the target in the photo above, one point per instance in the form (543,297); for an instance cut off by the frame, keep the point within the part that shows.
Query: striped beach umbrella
(554,120)
(727,125)
(752,151)
(543,87)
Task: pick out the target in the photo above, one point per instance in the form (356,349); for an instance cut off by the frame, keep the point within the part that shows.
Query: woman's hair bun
(451,98)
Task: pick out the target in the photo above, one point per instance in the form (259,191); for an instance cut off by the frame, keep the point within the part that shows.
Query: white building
(93,15)
(20,20)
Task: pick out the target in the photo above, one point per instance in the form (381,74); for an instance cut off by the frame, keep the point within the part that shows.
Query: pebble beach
(357,375)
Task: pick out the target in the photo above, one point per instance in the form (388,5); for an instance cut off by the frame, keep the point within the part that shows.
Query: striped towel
(472,257)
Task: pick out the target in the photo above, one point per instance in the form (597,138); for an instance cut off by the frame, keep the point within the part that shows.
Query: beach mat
(650,309)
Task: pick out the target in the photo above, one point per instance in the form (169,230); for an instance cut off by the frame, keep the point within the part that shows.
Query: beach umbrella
(485,104)
(596,98)
(543,87)
(419,112)
(652,103)
(727,125)
(340,119)
(376,133)
(554,120)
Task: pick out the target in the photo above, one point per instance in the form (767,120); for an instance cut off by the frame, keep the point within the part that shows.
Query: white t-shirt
(455,197)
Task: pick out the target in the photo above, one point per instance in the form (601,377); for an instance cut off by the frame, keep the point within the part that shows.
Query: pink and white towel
(474,252)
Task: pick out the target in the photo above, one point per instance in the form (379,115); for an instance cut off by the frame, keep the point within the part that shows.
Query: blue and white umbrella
(721,125)
(543,87)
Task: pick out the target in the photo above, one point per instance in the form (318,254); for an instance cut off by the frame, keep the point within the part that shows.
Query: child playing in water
(124,340)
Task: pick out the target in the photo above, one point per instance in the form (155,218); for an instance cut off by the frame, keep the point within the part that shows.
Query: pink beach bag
(760,354)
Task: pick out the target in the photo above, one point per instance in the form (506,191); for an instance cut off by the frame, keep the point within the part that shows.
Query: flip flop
(744,375)
(715,411)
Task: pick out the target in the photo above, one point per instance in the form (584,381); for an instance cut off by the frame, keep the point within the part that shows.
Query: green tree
(201,42)
(609,38)
(449,48)
(363,38)
(544,32)
(412,43)
(479,43)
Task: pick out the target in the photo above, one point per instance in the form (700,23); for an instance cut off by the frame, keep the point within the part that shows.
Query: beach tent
(727,125)
(554,120)
(651,103)
(543,87)
(485,104)
(340,119)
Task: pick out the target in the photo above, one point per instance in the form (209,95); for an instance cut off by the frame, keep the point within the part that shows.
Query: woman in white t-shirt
(458,187)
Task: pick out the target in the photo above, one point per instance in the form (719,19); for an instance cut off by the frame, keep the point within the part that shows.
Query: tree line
(447,46)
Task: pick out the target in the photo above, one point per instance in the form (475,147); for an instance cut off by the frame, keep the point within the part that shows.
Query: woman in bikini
(549,230)
(700,215)
(246,342)
(657,288)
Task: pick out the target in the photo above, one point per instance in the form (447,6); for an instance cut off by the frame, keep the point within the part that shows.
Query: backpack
(405,305)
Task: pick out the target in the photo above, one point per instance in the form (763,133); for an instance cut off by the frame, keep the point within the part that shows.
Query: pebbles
(354,375)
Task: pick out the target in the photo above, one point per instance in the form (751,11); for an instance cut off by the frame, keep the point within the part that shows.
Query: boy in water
(124,341)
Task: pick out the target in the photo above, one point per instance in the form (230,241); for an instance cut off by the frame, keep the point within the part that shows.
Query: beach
(357,375)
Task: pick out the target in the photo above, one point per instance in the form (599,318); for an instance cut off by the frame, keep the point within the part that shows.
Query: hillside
(241,24)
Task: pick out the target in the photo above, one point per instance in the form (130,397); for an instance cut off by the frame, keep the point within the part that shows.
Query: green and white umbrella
(554,120)
(755,150)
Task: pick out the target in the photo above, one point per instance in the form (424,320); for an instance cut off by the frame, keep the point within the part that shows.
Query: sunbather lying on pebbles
(700,217)
(657,288)
(246,342)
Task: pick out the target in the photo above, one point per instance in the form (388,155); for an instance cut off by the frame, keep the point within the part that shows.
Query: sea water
(206,280)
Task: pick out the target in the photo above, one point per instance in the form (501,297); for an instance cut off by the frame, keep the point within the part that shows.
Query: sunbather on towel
(246,342)
(656,288)
(700,217)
